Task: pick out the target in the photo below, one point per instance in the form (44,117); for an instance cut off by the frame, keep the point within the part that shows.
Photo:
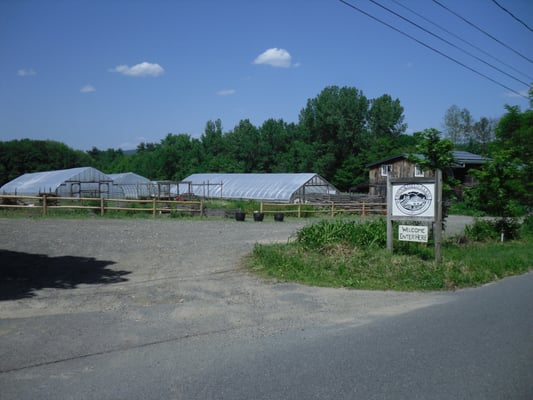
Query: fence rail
(331,208)
(101,205)
(45,203)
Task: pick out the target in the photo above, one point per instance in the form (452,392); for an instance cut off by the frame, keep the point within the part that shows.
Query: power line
(462,40)
(481,30)
(432,48)
(448,42)
(512,15)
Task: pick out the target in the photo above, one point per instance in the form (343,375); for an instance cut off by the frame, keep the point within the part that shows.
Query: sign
(413,233)
(413,200)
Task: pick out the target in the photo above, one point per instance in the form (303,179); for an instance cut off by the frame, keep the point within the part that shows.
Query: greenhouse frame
(275,187)
(73,182)
(129,185)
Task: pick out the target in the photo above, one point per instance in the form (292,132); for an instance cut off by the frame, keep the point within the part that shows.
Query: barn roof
(461,158)
(284,187)
(34,183)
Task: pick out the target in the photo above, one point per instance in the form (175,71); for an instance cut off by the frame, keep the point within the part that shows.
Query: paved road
(477,345)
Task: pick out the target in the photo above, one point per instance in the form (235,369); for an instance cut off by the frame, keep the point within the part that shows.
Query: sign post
(418,200)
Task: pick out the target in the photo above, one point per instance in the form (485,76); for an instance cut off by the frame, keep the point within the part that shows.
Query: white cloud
(226,92)
(26,72)
(87,89)
(142,69)
(275,57)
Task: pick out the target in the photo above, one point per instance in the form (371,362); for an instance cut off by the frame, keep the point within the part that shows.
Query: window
(419,173)
(385,169)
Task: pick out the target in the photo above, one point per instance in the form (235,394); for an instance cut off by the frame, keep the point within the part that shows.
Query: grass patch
(350,254)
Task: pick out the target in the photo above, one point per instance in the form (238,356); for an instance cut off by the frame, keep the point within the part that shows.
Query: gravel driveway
(143,281)
(69,265)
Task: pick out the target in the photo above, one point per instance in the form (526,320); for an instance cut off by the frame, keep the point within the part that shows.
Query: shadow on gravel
(21,274)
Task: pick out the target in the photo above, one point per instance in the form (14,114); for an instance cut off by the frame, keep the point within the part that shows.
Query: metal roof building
(286,187)
(74,182)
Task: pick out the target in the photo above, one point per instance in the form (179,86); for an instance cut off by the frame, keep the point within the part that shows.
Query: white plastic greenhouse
(287,187)
(130,186)
(74,182)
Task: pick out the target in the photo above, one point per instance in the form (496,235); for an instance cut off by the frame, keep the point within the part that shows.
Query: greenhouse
(74,182)
(129,185)
(286,187)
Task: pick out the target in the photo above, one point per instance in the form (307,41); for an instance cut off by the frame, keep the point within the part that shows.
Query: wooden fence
(330,208)
(101,205)
(45,203)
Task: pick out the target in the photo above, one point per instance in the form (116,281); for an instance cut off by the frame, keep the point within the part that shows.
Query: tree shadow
(22,274)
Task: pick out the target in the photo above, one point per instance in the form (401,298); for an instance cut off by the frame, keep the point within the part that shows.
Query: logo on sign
(413,199)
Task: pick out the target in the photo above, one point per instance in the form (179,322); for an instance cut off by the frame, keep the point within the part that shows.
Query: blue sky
(114,73)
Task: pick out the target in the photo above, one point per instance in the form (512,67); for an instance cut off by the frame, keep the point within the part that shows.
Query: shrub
(484,230)
(330,232)
(481,230)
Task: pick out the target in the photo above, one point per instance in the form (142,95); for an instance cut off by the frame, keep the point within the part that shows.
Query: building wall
(398,168)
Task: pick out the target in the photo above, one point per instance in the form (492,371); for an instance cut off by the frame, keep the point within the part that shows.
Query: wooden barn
(399,166)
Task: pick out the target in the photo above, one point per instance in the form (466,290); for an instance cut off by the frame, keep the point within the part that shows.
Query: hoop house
(129,185)
(288,188)
(74,182)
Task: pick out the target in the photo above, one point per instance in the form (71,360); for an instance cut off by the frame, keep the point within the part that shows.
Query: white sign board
(413,233)
(413,200)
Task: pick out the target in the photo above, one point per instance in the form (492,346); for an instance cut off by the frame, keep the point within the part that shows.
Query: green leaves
(330,232)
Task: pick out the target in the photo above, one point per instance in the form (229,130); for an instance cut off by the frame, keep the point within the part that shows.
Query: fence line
(155,206)
(331,208)
(46,203)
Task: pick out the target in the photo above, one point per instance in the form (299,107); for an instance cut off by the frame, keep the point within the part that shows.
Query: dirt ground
(191,267)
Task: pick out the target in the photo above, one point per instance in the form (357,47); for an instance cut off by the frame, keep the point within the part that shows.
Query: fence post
(261,207)
(332,209)
(299,210)
(363,212)
(45,211)
(101,206)
(153,207)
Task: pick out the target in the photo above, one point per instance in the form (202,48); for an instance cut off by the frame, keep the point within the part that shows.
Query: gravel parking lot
(63,265)
(90,285)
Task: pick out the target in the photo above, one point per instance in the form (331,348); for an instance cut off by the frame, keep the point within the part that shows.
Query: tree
(18,157)
(385,117)
(242,145)
(334,123)
(433,152)
(505,185)
(457,125)
(482,135)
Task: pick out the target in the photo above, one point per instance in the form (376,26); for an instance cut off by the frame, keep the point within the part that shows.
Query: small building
(73,182)
(399,166)
(283,187)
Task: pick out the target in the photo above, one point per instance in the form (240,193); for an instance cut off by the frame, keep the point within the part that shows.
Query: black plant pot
(279,217)
(258,216)
(239,216)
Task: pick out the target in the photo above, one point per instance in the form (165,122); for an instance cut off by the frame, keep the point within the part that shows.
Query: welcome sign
(413,200)
(418,200)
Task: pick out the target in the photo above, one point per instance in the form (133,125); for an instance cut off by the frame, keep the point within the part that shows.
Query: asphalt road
(478,345)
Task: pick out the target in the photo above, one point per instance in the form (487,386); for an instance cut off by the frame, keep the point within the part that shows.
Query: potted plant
(279,216)
(240,216)
(258,216)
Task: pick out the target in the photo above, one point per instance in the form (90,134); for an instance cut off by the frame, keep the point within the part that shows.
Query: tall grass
(341,253)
